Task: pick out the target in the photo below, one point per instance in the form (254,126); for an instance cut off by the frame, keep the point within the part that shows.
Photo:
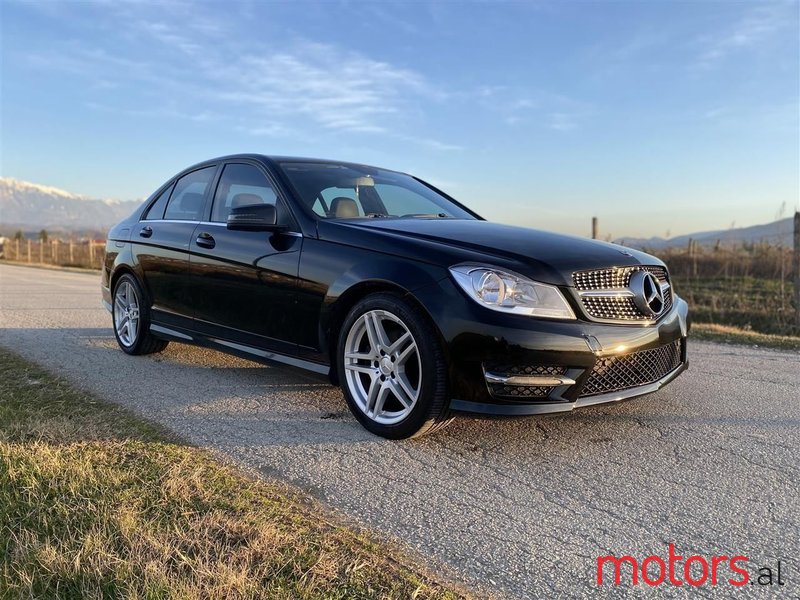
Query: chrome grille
(619,308)
(625,371)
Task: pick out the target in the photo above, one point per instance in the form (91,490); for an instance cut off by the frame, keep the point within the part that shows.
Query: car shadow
(209,396)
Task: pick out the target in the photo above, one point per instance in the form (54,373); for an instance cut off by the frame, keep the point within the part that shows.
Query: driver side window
(241,185)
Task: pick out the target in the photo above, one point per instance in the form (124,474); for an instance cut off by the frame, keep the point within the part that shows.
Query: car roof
(276,159)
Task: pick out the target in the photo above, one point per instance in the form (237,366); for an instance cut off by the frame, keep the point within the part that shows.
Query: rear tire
(130,314)
(392,368)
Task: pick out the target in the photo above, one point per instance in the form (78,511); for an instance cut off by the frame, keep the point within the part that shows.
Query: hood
(549,257)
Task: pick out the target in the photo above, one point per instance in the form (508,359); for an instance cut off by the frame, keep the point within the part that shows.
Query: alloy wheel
(382,367)
(126,314)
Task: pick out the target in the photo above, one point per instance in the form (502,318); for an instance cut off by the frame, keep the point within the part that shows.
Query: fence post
(41,251)
(91,252)
(71,252)
(796,268)
(29,251)
(55,252)
(594,228)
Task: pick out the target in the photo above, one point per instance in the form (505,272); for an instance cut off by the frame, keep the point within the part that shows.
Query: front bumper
(560,365)
(522,408)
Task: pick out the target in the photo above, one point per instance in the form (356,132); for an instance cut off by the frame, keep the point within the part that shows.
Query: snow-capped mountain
(32,206)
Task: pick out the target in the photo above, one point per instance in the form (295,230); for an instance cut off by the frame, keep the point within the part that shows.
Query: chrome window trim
(209,223)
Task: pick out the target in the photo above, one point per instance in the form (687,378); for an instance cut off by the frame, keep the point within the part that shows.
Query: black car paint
(280,296)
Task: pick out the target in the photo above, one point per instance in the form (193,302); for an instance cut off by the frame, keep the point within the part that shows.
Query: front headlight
(511,293)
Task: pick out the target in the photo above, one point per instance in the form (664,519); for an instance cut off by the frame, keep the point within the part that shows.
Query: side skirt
(317,370)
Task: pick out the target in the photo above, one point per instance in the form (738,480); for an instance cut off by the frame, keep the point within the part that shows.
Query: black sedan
(387,286)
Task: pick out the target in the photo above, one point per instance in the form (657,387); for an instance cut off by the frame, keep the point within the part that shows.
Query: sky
(660,118)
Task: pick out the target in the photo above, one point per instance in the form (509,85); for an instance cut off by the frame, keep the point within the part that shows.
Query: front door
(245,281)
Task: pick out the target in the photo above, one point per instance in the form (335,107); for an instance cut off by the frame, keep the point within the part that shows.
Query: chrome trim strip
(169,221)
(624,293)
(168,331)
(209,223)
(287,360)
(107,306)
(528,379)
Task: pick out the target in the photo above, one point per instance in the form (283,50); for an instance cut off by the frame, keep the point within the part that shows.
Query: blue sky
(657,117)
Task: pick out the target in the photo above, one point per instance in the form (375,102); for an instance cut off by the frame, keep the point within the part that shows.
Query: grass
(748,303)
(733,335)
(98,503)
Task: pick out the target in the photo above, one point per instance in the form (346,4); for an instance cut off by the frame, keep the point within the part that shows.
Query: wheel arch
(338,310)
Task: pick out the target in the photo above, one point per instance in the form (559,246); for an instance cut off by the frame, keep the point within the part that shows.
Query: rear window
(189,196)
(156,210)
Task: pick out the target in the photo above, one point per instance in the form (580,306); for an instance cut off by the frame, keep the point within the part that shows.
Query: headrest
(192,202)
(344,208)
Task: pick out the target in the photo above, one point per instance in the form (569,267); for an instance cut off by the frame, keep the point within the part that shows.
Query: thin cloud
(757,26)
(534,108)
(335,89)
(267,90)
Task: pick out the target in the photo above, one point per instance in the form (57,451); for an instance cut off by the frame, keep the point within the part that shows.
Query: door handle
(146,231)
(205,240)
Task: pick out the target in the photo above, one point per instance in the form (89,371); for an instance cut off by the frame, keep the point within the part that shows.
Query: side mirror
(254,217)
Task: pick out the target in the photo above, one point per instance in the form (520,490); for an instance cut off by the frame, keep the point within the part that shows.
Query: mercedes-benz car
(385,285)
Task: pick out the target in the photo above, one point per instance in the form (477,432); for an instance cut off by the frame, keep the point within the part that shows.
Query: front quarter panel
(333,276)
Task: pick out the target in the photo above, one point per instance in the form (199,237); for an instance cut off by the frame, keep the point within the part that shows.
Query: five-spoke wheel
(131,316)
(382,367)
(392,368)
(126,314)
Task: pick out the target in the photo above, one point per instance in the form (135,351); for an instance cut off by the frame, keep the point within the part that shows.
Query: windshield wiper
(428,216)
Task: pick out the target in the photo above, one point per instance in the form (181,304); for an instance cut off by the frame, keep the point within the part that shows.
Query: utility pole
(796,268)
(594,228)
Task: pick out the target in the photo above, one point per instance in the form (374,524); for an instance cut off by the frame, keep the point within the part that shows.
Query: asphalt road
(522,507)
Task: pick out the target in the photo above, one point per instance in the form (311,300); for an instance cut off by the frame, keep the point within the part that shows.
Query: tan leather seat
(344,208)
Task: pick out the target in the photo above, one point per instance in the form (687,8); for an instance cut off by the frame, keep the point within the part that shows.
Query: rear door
(161,245)
(245,281)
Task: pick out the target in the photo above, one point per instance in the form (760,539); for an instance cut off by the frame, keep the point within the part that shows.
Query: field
(97,503)
(87,254)
(748,287)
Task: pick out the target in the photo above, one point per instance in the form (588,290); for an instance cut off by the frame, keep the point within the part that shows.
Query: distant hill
(30,206)
(777,232)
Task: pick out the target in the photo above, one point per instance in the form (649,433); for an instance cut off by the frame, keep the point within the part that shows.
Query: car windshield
(344,191)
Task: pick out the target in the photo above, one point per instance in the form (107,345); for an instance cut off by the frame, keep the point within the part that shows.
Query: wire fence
(87,254)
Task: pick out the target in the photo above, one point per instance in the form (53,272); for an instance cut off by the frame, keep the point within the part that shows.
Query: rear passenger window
(188,197)
(241,185)
(156,210)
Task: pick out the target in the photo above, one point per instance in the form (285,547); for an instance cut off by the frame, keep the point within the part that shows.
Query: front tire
(392,368)
(130,314)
